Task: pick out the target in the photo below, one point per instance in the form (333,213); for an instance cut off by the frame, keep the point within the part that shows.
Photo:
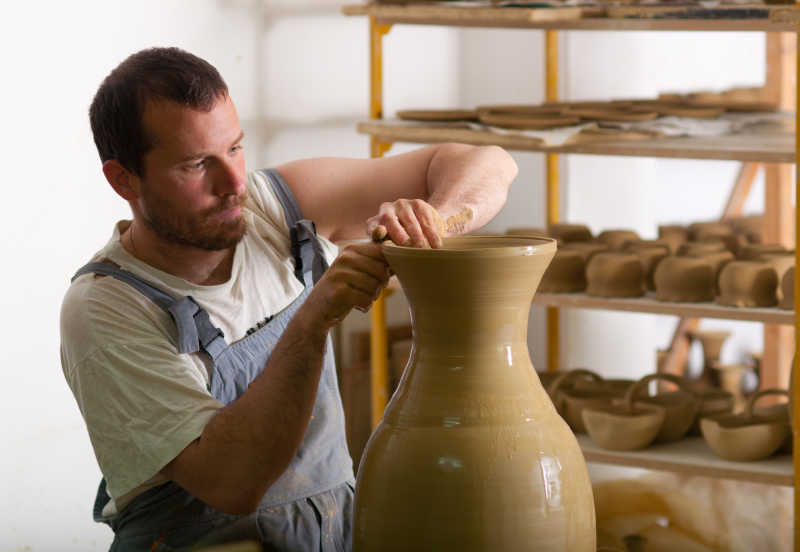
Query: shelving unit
(689,456)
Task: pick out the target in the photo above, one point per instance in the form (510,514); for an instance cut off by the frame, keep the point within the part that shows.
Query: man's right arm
(247,445)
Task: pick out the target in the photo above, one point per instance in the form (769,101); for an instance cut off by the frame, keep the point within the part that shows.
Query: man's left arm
(413,197)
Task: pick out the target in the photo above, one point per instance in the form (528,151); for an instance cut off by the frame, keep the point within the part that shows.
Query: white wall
(299,79)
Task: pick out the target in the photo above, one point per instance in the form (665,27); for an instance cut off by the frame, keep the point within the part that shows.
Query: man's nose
(230,179)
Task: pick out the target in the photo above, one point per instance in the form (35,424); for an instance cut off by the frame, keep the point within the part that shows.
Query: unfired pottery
(712,402)
(567,233)
(680,407)
(616,238)
(674,234)
(471,454)
(748,436)
(649,256)
(438,114)
(754,251)
(526,231)
(532,121)
(615,275)
(696,249)
(717,261)
(570,397)
(782,263)
(748,284)
(701,231)
(684,279)
(586,248)
(787,290)
(566,273)
(712,342)
(623,426)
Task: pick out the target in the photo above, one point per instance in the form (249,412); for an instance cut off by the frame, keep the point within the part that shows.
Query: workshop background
(298,72)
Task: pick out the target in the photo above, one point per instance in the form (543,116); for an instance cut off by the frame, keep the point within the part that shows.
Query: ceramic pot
(680,407)
(579,389)
(471,453)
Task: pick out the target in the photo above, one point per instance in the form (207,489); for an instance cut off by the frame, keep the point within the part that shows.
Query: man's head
(170,141)
(155,74)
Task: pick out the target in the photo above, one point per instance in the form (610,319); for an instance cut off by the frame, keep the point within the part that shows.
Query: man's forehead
(172,125)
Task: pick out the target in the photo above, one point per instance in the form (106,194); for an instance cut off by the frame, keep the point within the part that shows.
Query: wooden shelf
(764,148)
(776,18)
(649,304)
(692,456)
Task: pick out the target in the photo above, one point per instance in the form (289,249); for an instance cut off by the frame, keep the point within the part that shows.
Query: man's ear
(124,182)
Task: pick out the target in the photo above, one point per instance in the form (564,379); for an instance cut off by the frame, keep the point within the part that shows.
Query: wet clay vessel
(748,284)
(471,454)
(615,275)
(748,436)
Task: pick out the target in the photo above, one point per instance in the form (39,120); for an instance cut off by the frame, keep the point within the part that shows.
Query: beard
(203,230)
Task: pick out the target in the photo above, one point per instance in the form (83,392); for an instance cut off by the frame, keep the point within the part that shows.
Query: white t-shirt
(142,401)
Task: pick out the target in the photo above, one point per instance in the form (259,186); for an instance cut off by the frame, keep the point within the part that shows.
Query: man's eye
(197,166)
(236,148)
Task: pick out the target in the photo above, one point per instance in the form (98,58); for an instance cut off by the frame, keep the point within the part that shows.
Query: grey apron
(310,506)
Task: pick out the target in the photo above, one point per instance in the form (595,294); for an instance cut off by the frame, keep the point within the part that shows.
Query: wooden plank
(692,456)
(768,148)
(649,304)
(564,18)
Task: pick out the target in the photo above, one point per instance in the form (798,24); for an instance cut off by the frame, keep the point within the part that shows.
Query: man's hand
(411,222)
(354,279)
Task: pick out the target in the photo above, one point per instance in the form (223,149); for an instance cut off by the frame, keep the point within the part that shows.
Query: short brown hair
(153,74)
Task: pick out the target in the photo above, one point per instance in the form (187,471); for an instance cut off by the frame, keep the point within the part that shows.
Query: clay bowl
(748,436)
(570,402)
(623,426)
(680,407)
(748,284)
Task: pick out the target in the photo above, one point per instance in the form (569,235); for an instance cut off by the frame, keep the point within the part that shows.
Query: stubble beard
(202,231)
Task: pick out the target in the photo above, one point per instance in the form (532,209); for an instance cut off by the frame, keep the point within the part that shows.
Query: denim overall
(310,506)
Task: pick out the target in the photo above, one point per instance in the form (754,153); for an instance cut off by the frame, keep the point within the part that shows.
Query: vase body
(471,454)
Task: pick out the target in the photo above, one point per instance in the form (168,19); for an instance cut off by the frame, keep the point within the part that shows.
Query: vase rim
(503,245)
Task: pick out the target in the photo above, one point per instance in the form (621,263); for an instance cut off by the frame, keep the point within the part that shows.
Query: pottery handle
(751,402)
(633,390)
(569,376)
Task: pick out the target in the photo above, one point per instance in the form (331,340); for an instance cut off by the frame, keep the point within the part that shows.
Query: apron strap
(309,256)
(195,330)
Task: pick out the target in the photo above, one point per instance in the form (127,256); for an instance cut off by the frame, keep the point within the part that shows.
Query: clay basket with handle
(570,400)
(712,403)
(748,436)
(680,407)
(623,425)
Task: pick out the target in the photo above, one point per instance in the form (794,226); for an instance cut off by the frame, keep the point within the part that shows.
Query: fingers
(410,222)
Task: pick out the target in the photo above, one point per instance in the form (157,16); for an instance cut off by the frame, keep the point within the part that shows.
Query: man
(196,341)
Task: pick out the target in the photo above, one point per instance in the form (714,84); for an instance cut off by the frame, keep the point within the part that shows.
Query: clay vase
(471,453)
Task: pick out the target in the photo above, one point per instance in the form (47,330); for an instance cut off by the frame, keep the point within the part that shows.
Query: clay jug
(471,454)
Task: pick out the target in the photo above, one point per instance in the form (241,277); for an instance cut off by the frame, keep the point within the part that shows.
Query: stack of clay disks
(438,115)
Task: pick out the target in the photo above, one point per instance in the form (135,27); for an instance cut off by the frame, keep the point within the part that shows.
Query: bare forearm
(468,185)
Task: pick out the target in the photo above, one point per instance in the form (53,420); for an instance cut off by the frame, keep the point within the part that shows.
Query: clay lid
(748,284)
(684,279)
